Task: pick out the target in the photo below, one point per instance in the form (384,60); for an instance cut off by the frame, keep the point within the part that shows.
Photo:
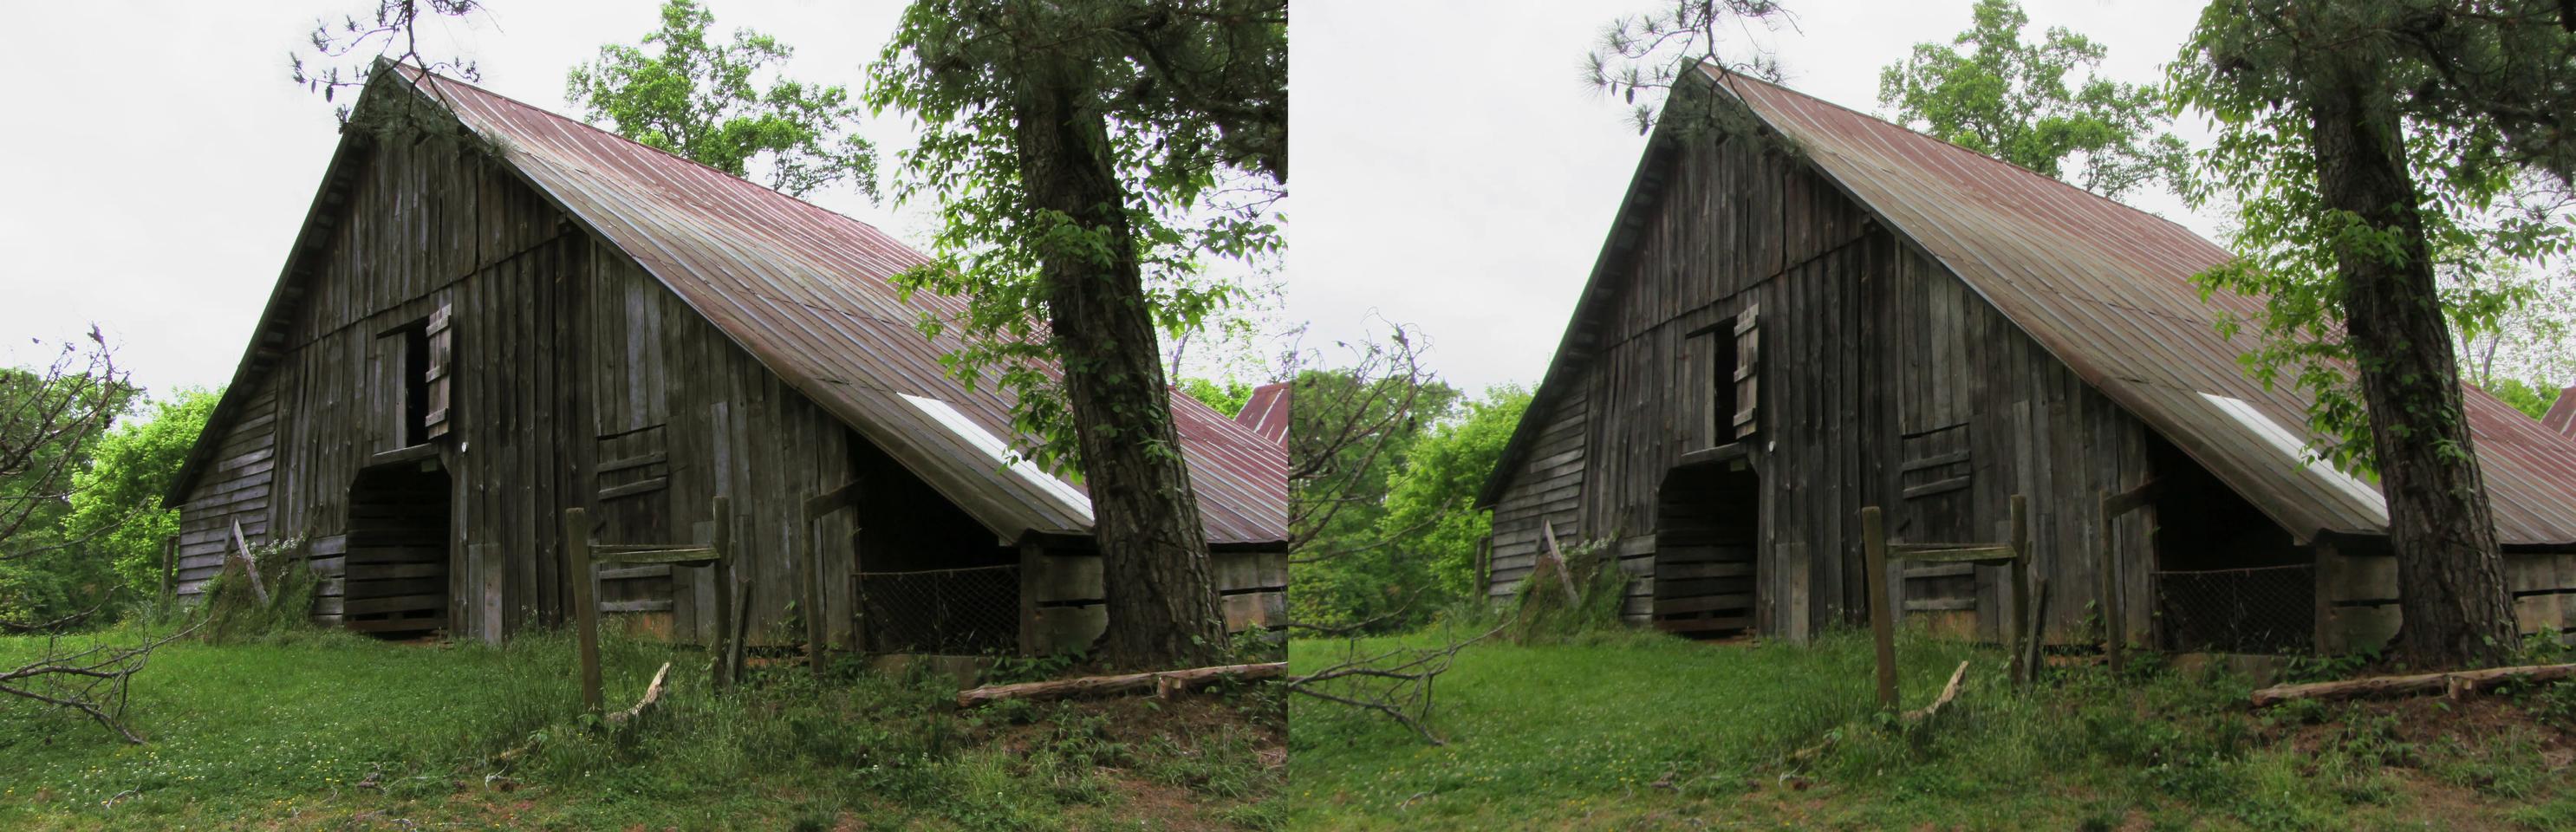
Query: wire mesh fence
(945,611)
(2269,609)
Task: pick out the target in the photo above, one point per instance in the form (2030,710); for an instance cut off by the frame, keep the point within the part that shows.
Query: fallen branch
(652,695)
(2465,681)
(1948,692)
(1163,682)
(1395,683)
(91,680)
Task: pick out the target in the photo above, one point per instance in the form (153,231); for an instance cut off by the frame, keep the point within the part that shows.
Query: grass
(316,730)
(1644,731)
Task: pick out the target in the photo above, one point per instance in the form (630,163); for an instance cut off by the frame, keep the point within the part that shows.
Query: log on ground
(2465,681)
(1164,683)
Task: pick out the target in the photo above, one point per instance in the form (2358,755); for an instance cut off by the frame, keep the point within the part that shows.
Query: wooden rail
(1883,603)
(587,556)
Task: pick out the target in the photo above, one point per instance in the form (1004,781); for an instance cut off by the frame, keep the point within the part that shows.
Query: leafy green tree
(2011,100)
(2364,144)
(51,418)
(116,506)
(1430,504)
(1350,430)
(705,101)
(1228,396)
(1089,156)
(2533,400)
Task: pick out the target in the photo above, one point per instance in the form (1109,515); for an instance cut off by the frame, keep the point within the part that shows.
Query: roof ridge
(1723,77)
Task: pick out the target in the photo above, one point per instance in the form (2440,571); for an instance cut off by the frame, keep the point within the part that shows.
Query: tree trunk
(1161,595)
(2451,579)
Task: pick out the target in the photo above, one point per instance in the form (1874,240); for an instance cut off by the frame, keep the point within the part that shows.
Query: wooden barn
(1817,311)
(479,328)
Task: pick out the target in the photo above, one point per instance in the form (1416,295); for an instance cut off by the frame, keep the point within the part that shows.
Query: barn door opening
(1705,552)
(399,528)
(2227,578)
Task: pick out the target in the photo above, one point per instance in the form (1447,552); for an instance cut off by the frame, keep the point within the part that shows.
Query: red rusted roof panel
(2107,289)
(1266,413)
(808,292)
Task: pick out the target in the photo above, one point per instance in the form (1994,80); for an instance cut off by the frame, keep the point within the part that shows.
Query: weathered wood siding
(237,488)
(567,356)
(1880,373)
(1546,491)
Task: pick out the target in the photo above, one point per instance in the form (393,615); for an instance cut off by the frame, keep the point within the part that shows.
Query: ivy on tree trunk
(2452,575)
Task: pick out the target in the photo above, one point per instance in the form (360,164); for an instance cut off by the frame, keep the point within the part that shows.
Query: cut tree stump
(1163,683)
(2453,684)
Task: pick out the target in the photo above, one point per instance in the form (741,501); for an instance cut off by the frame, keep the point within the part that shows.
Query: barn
(493,314)
(1814,311)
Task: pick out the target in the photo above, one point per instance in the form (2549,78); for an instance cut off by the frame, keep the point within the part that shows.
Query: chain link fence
(941,611)
(2269,609)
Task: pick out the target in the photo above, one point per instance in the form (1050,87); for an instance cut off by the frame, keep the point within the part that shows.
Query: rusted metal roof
(2562,414)
(2107,289)
(808,293)
(1266,413)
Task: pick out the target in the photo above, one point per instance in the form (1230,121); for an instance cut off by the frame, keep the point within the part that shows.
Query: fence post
(1882,627)
(728,643)
(169,567)
(2024,631)
(2113,615)
(585,604)
(1032,558)
(815,626)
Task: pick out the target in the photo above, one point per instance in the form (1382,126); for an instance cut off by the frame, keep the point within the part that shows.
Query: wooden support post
(2026,630)
(1882,626)
(585,605)
(1032,564)
(250,565)
(1564,572)
(719,534)
(169,567)
(2038,621)
(817,628)
(2109,604)
(740,626)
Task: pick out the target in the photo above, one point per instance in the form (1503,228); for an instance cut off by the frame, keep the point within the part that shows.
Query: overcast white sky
(1453,172)
(154,188)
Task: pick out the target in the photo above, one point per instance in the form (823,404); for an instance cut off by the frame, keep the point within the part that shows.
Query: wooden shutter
(442,339)
(1748,365)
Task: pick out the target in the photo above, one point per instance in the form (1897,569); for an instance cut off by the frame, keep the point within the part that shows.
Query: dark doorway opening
(1706,550)
(2227,578)
(399,528)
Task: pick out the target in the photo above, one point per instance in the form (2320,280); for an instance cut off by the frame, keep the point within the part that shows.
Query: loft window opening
(415,382)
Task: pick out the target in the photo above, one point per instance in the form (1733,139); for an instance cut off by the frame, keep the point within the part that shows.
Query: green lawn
(341,732)
(1649,732)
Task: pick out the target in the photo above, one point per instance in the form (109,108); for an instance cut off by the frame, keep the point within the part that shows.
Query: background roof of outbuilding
(808,292)
(2107,289)
(1266,413)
